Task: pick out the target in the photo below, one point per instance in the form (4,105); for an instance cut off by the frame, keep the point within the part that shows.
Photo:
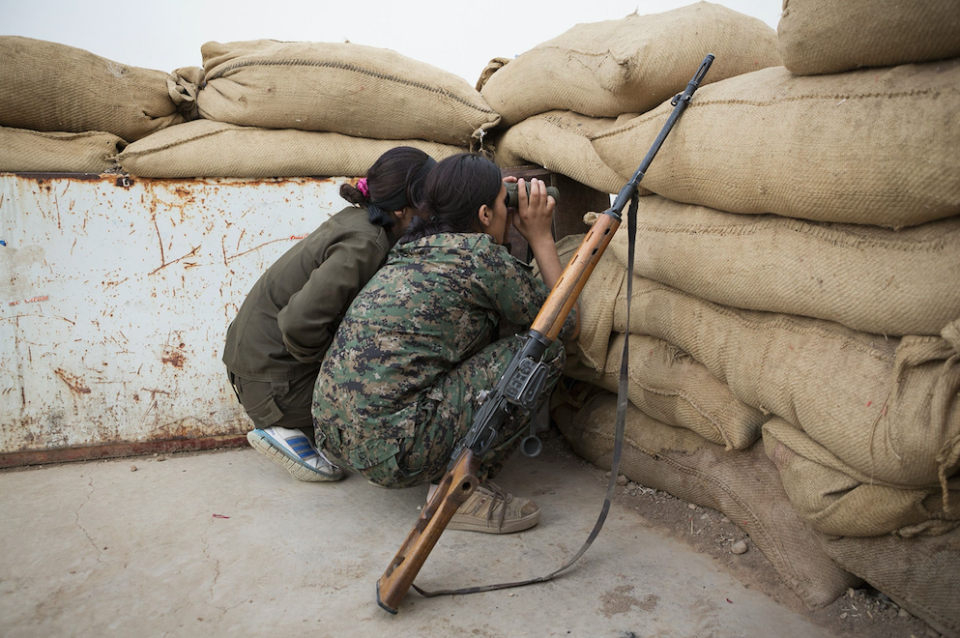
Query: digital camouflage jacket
(399,384)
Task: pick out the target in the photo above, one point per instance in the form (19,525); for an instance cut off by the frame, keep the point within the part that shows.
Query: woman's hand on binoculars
(534,216)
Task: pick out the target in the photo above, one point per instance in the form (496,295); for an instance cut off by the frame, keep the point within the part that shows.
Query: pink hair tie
(362,187)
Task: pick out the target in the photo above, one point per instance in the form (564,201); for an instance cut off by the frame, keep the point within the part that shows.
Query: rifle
(518,392)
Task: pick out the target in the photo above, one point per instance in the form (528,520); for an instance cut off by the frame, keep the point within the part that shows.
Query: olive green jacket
(288,319)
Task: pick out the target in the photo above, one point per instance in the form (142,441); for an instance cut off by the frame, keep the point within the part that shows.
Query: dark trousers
(281,403)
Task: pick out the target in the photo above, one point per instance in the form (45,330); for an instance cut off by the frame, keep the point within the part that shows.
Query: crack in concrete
(77,518)
(216,567)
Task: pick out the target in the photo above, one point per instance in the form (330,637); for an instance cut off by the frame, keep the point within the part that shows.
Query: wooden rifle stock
(456,487)
(461,480)
(574,277)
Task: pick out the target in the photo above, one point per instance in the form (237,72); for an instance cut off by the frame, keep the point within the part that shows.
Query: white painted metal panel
(115,296)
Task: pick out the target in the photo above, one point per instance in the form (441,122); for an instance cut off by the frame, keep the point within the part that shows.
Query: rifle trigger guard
(480,448)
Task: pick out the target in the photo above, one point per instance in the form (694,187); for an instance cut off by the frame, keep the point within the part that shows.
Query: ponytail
(353,195)
(394,182)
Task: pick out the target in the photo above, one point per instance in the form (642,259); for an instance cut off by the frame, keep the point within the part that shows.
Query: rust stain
(162,258)
(56,204)
(192,253)
(173,357)
(74,382)
(119,449)
(185,194)
(255,248)
(188,428)
(41,177)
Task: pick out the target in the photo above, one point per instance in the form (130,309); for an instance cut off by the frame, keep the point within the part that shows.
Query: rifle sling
(622,399)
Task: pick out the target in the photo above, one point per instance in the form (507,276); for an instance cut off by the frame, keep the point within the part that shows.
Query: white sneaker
(293,450)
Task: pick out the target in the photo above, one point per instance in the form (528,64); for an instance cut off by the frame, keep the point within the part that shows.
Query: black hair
(453,193)
(395,181)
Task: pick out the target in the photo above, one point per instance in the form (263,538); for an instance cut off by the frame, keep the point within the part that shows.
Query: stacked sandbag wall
(802,251)
(555,97)
(257,109)
(285,109)
(675,397)
(63,109)
(743,484)
(875,146)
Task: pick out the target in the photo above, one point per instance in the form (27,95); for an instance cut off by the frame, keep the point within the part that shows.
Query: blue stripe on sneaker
(301,445)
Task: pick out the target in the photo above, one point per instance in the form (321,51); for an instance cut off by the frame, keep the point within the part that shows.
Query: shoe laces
(324,458)
(499,497)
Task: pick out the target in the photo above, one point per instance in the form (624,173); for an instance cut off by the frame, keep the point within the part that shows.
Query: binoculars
(513,199)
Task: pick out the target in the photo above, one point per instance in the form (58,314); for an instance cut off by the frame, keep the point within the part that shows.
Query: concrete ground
(228,544)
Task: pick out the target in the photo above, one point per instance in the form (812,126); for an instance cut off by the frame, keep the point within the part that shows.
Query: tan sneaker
(492,511)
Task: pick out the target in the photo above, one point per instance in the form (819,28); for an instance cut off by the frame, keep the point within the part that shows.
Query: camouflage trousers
(445,413)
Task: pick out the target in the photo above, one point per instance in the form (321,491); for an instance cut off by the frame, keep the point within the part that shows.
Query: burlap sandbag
(825,36)
(560,142)
(866,277)
(603,69)
(340,87)
(668,385)
(867,147)
(743,485)
(214,149)
(23,150)
(54,87)
(889,408)
(836,499)
(920,574)
(492,67)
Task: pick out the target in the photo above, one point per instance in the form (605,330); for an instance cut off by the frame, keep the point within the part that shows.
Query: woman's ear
(485,215)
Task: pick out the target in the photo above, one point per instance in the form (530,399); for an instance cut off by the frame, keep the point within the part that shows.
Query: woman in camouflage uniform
(401,382)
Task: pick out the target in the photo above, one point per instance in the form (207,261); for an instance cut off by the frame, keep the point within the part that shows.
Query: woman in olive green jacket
(275,345)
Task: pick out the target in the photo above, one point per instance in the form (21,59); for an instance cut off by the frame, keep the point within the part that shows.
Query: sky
(457,36)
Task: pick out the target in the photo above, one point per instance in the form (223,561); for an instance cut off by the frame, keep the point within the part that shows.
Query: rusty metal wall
(115,295)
